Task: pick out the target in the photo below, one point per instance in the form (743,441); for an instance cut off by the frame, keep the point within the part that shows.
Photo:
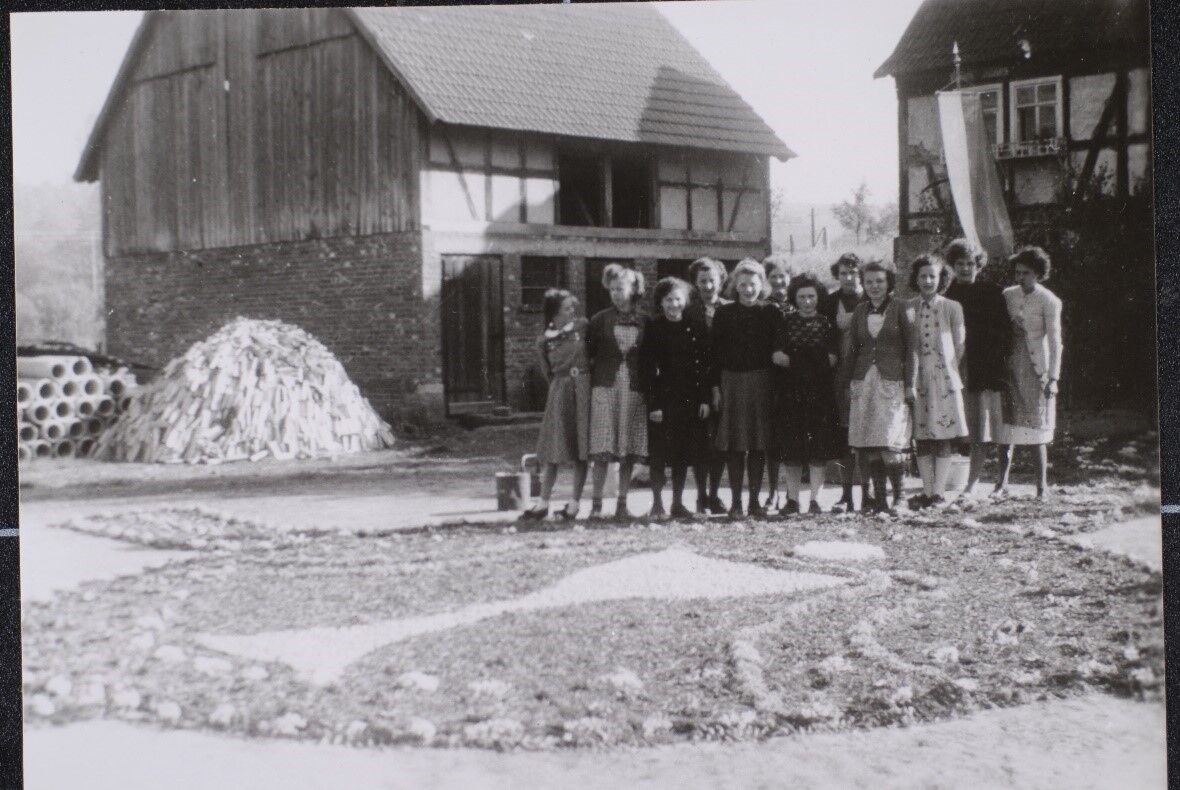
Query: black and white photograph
(715,394)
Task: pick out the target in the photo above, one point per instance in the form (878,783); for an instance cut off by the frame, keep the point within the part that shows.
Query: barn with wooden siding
(404,183)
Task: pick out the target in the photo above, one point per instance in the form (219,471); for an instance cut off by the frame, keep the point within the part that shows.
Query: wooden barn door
(472,332)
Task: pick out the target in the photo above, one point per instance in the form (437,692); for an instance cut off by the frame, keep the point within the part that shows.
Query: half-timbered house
(405,183)
(1065,91)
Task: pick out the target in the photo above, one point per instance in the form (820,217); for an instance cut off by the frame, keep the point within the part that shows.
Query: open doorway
(580,189)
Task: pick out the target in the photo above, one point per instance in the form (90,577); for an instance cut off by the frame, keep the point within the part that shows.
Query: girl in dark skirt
(741,342)
(565,428)
(807,421)
(673,364)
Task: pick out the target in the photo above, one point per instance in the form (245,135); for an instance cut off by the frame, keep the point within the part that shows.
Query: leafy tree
(884,224)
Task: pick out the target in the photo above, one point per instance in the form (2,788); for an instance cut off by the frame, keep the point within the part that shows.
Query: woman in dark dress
(741,342)
(807,422)
(989,336)
(708,276)
(838,307)
(778,277)
(673,366)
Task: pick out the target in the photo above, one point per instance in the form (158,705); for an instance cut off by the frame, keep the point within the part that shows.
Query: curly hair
(930,259)
(962,249)
(777,263)
(617,271)
(1035,258)
(667,286)
(701,264)
(801,282)
(848,260)
(748,266)
(879,266)
(554,299)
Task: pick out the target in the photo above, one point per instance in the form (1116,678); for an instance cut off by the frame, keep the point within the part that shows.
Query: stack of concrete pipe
(64,404)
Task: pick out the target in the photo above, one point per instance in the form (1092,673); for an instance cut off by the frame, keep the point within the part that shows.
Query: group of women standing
(783,373)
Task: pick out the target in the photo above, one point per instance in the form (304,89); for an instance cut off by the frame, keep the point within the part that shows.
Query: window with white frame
(1036,109)
(993,111)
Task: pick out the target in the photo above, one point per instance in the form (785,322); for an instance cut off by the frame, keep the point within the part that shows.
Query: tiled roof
(610,71)
(989,31)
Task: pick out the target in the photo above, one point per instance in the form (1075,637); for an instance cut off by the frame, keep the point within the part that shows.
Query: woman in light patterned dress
(1034,365)
(940,418)
(618,415)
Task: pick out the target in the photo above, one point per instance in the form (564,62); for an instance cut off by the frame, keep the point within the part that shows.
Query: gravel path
(1097,742)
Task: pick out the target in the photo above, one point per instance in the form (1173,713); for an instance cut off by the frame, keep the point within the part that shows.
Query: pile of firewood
(252,390)
(64,404)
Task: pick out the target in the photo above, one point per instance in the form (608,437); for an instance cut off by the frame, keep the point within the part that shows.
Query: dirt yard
(379,602)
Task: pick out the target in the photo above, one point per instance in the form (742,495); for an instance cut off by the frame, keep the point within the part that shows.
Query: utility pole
(958,66)
(813,227)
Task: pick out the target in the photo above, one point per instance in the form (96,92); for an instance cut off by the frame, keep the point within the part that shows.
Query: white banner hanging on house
(971,171)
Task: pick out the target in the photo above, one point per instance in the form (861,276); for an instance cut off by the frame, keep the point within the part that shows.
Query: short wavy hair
(801,282)
(700,264)
(1035,259)
(849,260)
(667,286)
(554,299)
(617,271)
(930,259)
(748,266)
(879,266)
(963,249)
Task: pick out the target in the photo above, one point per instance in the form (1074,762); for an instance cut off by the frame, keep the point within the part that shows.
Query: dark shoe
(938,500)
(535,513)
(814,508)
(735,510)
(919,502)
(622,513)
(716,506)
(680,511)
(702,506)
(569,512)
(657,512)
(595,510)
(792,508)
(756,511)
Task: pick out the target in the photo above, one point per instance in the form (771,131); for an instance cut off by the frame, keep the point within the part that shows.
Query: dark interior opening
(579,189)
(631,192)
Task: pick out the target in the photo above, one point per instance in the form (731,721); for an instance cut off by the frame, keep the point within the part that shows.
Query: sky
(805,66)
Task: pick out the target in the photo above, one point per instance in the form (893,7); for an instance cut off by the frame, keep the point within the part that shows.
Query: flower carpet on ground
(638,634)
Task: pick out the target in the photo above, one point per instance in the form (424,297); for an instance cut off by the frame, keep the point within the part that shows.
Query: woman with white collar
(1034,365)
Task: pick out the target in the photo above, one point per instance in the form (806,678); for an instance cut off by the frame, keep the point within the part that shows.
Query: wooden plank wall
(247,127)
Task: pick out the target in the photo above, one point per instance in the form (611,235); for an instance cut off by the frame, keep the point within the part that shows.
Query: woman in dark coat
(708,277)
(673,366)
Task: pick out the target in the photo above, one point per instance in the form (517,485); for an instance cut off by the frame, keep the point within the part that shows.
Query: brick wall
(362,297)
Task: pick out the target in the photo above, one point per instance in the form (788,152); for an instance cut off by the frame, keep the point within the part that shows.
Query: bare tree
(856,215)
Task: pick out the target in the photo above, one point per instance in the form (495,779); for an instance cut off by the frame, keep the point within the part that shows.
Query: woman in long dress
(940,418)
(618,416)
(807,424)
(1034,365)
(565,435)
(880,367)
